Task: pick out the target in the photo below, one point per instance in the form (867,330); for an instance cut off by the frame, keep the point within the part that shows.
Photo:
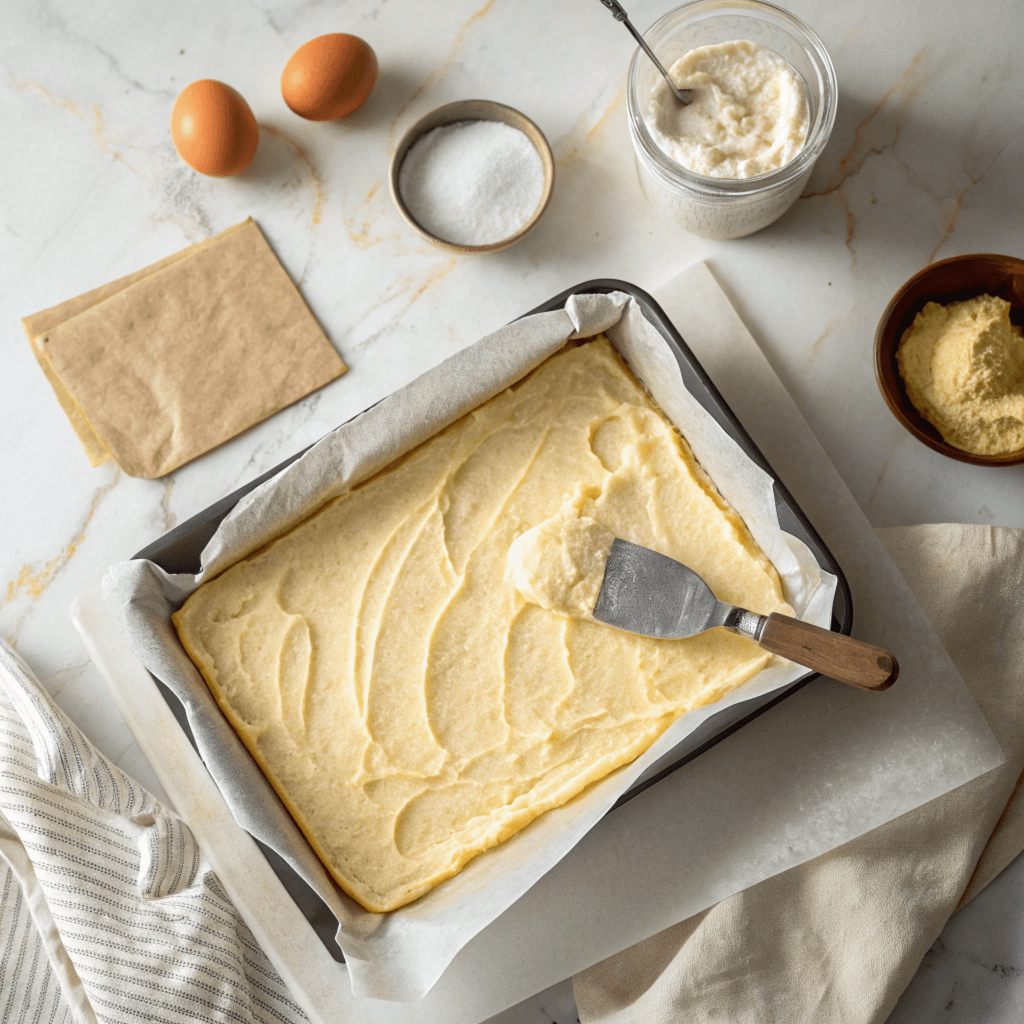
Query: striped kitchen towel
(108,911)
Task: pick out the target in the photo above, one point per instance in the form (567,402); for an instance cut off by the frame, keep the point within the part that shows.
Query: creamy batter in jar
(748,115)
(749,143)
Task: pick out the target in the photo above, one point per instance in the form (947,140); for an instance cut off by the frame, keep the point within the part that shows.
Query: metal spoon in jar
(683,95)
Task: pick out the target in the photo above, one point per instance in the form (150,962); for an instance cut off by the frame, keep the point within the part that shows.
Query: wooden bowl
(474,110)
(952,280)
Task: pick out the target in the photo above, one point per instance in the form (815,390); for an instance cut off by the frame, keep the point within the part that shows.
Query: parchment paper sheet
(401,955)
(165,364)
(39,323)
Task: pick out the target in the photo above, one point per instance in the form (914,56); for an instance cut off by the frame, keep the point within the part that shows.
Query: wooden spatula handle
(832,654)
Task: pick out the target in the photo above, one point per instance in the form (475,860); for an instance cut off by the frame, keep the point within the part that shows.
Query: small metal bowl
(473,110)
(952,280)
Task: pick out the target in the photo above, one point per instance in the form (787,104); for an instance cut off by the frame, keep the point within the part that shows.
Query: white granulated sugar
(473,182)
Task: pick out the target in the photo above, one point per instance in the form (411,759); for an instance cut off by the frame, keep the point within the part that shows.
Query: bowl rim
(472,110)
(899,404)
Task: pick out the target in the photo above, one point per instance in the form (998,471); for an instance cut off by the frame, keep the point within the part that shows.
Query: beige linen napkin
(839,938)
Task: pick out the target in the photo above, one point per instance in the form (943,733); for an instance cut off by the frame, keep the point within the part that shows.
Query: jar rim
(676,174)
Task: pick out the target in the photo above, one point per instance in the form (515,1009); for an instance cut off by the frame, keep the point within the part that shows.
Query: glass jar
(728,207)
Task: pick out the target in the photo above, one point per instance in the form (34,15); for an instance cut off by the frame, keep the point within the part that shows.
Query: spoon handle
(617,12)
(683,95)
(840,657)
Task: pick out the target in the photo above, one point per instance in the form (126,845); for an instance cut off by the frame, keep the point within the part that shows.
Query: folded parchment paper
(158,367)
(401,955)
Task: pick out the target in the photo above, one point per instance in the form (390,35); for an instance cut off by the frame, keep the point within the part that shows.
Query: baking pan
(179,550)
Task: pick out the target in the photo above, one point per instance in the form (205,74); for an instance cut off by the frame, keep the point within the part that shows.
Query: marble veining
(924,163)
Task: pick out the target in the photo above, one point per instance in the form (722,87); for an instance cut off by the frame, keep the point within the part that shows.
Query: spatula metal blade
(648,593)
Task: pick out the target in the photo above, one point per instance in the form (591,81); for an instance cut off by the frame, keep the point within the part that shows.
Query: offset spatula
(648,593)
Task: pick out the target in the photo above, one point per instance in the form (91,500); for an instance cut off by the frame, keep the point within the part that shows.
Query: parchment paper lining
(401,955)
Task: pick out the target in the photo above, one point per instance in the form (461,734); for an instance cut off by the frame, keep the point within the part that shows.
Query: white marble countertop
(924,163)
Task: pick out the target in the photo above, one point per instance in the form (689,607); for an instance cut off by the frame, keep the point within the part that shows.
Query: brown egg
(213,128)
(329,76)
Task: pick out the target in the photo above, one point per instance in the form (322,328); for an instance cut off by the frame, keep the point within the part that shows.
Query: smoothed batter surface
(408,705)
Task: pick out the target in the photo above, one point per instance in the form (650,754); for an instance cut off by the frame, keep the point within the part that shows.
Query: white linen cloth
(108,912)
(839,937)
